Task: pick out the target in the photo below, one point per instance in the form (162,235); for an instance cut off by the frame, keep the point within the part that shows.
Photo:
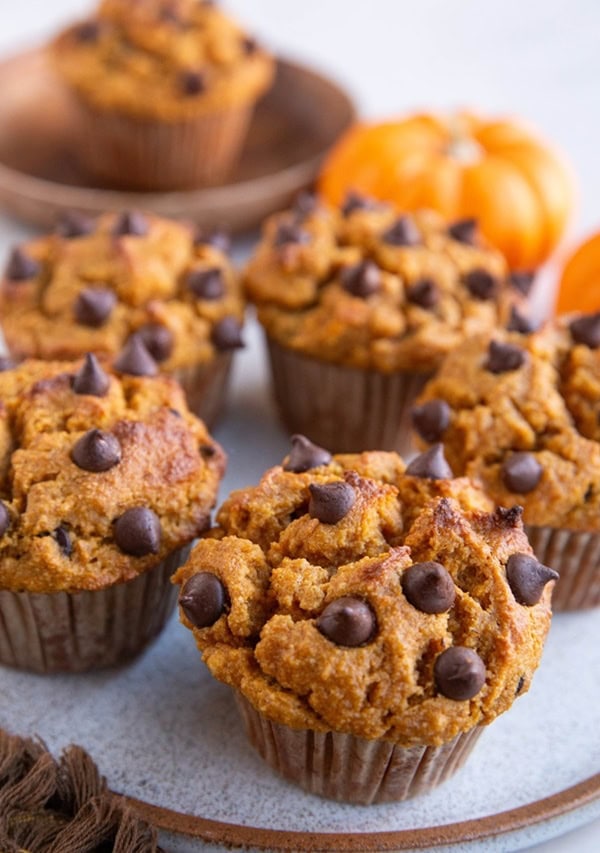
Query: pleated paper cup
(349,769)
(205,386)
(575,555)
(91,629)
(344,409)
(135,153)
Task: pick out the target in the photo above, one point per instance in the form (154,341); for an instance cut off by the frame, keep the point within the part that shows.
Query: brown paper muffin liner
(143,154)
(575,555)
(350,769)
(344,409)
(92,629)
(205,386)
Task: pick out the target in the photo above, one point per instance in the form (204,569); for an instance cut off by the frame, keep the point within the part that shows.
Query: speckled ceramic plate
(40,176)
(166,734)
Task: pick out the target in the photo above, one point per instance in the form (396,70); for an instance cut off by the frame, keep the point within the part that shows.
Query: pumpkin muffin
(105,480)
(520,413)
(360,306)
(371,617)
(165,88)
(152,290)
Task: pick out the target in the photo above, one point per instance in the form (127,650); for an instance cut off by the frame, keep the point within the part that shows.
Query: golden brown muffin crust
(364,288)
(167,463)
(280,567)
(136,282)
(547,410)
(169,60)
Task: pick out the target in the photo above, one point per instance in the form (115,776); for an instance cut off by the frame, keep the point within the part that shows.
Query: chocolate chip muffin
(165,89)
(130,286)
(360,306)
(105,480)
(520,412)
(371,617)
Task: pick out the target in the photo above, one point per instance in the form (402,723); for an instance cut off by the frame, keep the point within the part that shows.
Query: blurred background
(538,59)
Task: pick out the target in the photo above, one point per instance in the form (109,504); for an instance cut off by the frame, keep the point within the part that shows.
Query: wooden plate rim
(555,805)
(90,198)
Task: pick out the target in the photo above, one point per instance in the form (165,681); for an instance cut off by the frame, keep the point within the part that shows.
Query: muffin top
(353,594)
(101,477)
(94,284)
(188,54)
(521,414)
(364,287)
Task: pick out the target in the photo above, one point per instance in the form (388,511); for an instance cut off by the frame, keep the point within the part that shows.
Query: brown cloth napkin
(62,806)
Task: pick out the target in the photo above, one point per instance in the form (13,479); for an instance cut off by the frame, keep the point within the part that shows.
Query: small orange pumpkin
(579,288)
(494,170)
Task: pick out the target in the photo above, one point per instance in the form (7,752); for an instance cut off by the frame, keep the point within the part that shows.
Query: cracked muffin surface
(93,285)
(363,287)
(190,55)
(526,428)
(101,475)
(354,594)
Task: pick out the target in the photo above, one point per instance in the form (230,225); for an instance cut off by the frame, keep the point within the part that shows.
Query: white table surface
(534,58)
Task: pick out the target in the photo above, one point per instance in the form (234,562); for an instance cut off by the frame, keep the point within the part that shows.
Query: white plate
(164,732)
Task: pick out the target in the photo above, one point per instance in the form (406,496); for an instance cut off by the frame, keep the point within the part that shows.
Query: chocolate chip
(459,673)
(423,293)
(135,359)
(63,540)
(218,238)
(464,231)
(227,334)
(330,502)
(527,578)
(6,363)
(94,306)
(519,322)
(431,419)
(4,518)
(481,284)
(508,516)
(586,330)
(522,281)
(356,201)
(91,379)
(192,82)
(73,224)
(138,532)
(348,621)
(521,472)
(206,284)
(362,279)
(96,451)
(169,15)
(207,451)
(429,587)
(430,465)
(21,266)
(520,685)
(503,358)
(176,413)
(158,340)
(131,223)
(305,204)
(249,46)
(403,232)
(203,599)
(88,31)
(289,233)
(305,455)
